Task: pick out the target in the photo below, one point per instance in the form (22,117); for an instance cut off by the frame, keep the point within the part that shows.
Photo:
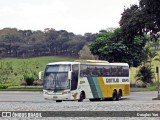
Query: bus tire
(81,97)
(58,100)
(94,99)
(114,96)
(119,95)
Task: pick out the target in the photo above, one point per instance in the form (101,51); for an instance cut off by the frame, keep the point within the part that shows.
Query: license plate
(55,97)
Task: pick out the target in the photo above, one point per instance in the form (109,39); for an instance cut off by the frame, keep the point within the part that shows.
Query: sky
(77,16)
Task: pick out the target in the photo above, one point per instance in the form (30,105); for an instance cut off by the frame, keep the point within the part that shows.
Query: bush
(138,85)
(5,86)
(38,83)
(23,83)
(145,74)
(25,87)
(143,85)
(29,80)
(132,85)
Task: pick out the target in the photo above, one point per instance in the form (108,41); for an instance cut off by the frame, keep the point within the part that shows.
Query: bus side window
(83,71)
(74,80)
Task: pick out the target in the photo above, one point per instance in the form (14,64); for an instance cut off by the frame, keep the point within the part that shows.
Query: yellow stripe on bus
(103,87)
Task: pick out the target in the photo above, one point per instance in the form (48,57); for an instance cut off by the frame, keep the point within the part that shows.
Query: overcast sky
(77,16)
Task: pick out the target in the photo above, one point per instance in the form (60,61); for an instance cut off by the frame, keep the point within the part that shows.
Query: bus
(86,79)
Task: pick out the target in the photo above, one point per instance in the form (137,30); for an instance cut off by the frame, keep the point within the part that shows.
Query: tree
(148,55)
(38,44)
(131,23)
(114,47)
(75,44)
(89,37)
(99,43)
(141,20)
(145,74)
(10,39)
(151,15)
(85,53)
(28,43)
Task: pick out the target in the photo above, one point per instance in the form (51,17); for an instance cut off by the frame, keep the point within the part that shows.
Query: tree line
(28,43)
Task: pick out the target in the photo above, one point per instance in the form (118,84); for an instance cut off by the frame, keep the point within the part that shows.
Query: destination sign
(116,80)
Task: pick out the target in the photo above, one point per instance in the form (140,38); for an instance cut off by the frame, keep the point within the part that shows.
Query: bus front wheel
(82,96)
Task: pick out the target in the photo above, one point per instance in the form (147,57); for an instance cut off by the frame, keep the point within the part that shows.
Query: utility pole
(157,73)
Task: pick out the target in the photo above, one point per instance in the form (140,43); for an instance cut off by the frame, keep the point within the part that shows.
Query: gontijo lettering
(112,80)
(125,80)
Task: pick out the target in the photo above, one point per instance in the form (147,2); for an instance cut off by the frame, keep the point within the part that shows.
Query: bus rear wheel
(114,96)
(119,95)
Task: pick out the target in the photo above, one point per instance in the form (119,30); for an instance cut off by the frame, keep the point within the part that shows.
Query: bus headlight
(66,92)
(45,92)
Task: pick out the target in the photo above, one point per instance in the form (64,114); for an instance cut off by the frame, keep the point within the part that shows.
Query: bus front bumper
(57,96)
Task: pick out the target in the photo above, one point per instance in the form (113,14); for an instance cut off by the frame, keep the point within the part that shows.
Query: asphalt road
(27,96)
(19,100)
(34,101)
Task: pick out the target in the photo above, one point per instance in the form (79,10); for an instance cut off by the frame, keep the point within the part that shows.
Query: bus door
(74,81)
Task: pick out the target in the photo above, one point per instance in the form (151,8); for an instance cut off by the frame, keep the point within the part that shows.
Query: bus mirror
(69,75)
(40,75)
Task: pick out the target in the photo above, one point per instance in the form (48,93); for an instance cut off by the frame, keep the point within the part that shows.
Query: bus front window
(56,77)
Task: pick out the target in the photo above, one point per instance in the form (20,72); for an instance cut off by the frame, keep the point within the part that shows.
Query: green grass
(40,61)
(25,88)
(5,87)
(150,88)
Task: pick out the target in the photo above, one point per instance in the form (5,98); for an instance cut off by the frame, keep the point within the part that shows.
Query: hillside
(34,64)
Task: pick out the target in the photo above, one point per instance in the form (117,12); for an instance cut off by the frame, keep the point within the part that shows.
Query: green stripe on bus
(98,89)
(95,88)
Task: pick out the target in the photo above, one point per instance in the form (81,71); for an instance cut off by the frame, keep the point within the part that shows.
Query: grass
(22,88)
(150,88)
(25,88)
(41,62)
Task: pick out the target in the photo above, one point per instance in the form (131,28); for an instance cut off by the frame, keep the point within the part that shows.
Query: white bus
(86,79)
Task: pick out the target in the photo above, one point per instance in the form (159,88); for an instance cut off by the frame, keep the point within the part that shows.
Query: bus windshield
(56,77)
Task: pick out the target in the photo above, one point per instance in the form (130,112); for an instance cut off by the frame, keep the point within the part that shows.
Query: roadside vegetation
(16,72)
(17,81)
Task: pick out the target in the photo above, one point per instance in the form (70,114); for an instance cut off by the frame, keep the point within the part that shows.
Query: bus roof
(63,62)
(91,62)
